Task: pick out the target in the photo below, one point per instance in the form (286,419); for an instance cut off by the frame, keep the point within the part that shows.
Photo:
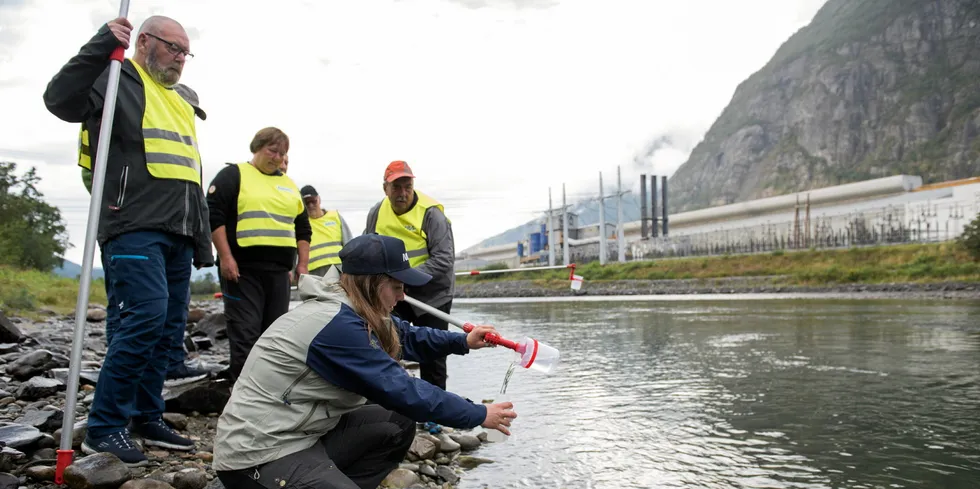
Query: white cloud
(490,101)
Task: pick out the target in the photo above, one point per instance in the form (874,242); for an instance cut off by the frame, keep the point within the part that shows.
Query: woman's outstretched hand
(475,338)
(499,416)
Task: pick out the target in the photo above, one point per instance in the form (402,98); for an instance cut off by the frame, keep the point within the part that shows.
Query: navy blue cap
(373,254)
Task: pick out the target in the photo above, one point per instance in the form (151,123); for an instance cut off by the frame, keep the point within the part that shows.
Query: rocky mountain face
(870,88)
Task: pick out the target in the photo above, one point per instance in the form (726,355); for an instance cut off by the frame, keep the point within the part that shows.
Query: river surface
(747,392)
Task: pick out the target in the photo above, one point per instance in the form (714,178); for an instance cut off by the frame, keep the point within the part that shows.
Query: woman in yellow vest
(330,234)
(258,224)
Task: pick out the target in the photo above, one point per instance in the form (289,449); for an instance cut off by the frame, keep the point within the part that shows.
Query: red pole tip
(474,272)
(118,54)
(64,460)
(496,339)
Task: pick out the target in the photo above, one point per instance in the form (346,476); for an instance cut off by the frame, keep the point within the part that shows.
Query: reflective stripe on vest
(169,136)
(267,209)
(84,152)
(407,227)
(328,234)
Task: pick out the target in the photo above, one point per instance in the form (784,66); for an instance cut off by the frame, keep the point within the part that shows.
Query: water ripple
(785,394)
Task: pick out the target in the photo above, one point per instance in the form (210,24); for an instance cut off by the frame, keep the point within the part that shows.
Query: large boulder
(8,332)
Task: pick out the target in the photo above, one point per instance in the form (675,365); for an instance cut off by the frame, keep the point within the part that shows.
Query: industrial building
(896,209)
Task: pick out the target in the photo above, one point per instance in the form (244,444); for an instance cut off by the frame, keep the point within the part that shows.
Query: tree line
(32,233)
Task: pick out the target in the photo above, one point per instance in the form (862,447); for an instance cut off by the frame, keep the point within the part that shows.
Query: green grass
(881,264)
(25,292)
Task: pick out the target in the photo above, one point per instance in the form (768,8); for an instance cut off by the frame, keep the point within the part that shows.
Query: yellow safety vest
(328,233)
(407,227)
(169,134)
(267,209)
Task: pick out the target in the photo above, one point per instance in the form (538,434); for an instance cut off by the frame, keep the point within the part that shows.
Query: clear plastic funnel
(537,356)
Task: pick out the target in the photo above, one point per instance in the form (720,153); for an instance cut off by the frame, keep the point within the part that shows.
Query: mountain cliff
(869,88)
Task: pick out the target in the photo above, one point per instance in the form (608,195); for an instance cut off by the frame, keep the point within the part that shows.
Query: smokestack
(653,206)
(663,190)
(643,205)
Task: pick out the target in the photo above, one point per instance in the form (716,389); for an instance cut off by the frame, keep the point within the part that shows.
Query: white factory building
(896,209)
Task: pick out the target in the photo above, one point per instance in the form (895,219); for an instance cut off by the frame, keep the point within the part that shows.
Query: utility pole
(551,232)
(620,239)
(643,206)
(654,230)
(602,224)
(564,228)
(663,191)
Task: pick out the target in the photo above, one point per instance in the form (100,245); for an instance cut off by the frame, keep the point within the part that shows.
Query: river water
(733,392)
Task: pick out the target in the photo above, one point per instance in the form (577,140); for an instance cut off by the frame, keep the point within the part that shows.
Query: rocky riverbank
(34,358)
(734,285)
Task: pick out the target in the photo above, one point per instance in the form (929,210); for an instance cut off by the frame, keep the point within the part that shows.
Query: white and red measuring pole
(525,269)
(535,355)
(576,280)
(65,452)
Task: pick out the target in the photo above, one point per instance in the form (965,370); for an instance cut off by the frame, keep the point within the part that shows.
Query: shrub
(970,239)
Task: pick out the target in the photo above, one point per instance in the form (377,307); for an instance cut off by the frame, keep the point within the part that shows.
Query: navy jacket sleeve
(421,344)
(345,355)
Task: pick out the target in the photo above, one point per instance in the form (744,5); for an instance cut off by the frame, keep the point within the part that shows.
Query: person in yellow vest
(330,234)
(258,224)
(420,222)
(178,372)
(153,226)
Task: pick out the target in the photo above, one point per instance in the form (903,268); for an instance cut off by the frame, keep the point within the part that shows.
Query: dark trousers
(360,452)
(177,352)
(251,304)
(432,372)
(149,281)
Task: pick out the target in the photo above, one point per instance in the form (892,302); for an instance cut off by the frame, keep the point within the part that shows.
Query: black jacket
(132,199)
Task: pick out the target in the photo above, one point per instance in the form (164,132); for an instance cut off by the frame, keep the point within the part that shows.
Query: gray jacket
(442,257)
(318,362)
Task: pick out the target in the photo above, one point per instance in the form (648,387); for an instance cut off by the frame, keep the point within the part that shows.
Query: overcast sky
(489,101)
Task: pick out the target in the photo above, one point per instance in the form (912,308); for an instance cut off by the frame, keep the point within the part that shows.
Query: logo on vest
(404,256)
(410,227)
(284,189)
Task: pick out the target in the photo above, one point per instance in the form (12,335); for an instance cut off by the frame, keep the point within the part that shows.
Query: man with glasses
(154,223)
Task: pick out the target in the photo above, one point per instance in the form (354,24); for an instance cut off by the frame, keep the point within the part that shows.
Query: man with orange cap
(419,221)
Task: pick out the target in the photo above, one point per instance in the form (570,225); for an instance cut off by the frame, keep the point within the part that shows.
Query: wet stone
(39,387)
(99,471)
(17,435)
(8,481)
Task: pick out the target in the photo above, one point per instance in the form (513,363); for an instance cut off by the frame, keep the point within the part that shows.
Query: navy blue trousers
(149,282)
(177,353)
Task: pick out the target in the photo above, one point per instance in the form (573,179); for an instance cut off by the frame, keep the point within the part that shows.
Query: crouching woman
(322,401)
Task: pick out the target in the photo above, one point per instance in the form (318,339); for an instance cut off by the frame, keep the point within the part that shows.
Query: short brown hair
(267,136)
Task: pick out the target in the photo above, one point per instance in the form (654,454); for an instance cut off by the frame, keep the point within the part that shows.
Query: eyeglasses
(171,47)
(275,151)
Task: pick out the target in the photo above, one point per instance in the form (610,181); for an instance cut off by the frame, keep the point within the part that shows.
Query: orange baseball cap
(396,170)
